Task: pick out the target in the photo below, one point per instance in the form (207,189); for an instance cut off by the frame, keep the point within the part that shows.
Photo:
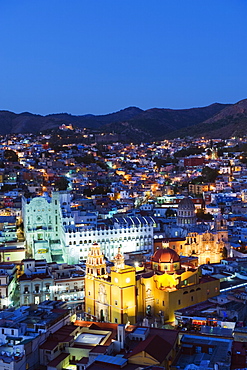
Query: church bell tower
(95,265)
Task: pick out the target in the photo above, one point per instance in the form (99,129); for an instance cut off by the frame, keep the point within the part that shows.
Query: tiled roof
(58,359)
(153,345)
(49,344)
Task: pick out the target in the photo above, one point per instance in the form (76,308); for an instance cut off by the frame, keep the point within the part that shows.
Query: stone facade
(163,287)
(42,218)
(54,232)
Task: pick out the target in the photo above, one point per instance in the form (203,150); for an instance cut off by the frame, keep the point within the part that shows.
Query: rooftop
(90,338)
(220,351)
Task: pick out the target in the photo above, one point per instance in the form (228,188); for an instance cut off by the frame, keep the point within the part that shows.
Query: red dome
(167,255)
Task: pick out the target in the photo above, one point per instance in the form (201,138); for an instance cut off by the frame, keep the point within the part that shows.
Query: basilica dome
(186,204)
(165,255)
(186,216)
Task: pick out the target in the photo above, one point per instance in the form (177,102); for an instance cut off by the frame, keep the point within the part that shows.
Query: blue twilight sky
(99,56)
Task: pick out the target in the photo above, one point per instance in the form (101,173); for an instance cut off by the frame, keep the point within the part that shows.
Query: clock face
(116,280)
(128,280)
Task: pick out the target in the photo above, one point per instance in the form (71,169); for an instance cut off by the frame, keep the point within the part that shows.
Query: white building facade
(55,232)
(130,238)
(42,219)
(42,281)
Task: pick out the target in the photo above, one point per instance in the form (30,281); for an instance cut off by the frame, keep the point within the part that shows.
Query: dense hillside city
(111,250)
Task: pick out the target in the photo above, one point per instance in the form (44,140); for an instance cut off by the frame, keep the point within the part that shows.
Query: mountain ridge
(229,122)
(137,124)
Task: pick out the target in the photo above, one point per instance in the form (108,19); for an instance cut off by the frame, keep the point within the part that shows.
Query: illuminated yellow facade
(200,241)
(161,295)
(109,298)
(123,296)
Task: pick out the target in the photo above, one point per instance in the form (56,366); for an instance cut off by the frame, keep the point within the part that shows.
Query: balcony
(69,291)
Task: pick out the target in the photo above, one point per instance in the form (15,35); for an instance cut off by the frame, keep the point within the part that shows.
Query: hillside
(230,121)
(135,124)
(27,122)
(132,123)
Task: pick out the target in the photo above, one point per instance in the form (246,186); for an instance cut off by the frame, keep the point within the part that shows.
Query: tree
(88,159)
(220,152)
(188,151)
(103,165)
(209,174)
(197,180)
(61,183)
(170,213)
(203,216)
(100,190)
(10,155)
(224,252)
(8,187)
(87,192)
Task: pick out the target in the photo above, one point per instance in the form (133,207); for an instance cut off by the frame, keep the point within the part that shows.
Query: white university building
(57,233)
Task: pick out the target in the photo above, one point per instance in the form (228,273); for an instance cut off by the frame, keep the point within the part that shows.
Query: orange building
(122,295)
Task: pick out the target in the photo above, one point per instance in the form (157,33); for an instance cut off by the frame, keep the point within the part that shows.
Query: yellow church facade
(158,297)
(123,295)
(205,244)
(110,298)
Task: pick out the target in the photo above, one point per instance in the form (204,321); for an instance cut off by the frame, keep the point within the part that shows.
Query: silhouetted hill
(160,122)
(230,121)
(28,122)
(135,124)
